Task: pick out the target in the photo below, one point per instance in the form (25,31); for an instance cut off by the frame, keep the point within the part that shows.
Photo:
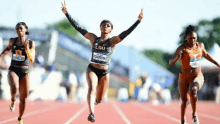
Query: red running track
(111,112)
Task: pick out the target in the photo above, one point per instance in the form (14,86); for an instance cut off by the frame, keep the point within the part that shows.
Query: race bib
(194,63)
(100,57)
(18,57)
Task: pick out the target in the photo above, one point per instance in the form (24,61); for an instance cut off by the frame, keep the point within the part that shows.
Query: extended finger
(142,10)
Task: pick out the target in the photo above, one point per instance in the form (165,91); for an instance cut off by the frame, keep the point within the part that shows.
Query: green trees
(208,32)
(65,26)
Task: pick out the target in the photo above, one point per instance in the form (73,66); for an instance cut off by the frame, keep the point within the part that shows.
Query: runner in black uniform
(102,48)
(23,52)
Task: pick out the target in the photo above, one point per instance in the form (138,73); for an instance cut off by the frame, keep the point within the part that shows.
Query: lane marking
(33,113)
(121,113)
(77,114)
(199,114)
(158,112)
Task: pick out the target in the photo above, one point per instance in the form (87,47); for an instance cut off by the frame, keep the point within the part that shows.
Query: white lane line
(157,112)
(32,113)
(121,113)
(17,105)
(200,114)
(77,114)
(209,116)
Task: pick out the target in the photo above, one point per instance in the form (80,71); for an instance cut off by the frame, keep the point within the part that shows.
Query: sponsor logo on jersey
(100,47)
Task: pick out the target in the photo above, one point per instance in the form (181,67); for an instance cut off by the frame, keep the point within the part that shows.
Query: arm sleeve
(127,32)
(76,25)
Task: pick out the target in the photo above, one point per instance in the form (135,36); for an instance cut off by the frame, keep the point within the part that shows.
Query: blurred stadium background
(62,54)
(139,68)
(61,60)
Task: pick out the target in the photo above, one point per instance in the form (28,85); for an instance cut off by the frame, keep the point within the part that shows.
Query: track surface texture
(110,112)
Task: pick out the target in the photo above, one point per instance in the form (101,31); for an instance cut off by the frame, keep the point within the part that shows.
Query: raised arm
(206,55)
(84,32)
(7,49)
(120,37)
(30,50)
(177,55)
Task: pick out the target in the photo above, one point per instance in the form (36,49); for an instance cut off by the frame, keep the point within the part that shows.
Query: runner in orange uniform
(190,78)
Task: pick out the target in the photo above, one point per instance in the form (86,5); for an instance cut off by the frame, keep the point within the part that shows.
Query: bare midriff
(100,66)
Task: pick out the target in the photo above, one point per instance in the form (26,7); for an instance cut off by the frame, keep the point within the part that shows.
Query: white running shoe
(197,118)
(12,106)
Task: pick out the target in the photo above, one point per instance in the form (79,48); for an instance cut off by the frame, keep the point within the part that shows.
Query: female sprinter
(190,78)
(23,52)
(102,48)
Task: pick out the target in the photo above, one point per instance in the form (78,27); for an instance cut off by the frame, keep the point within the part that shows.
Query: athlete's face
(106,28)
(191,38)
(21,30)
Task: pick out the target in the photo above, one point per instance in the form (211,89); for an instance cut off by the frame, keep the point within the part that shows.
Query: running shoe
(197,119)
(12,106)
(91,117)
(20,121)
(96,102)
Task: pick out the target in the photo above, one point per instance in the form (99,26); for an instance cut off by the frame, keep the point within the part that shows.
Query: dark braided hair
(188,30)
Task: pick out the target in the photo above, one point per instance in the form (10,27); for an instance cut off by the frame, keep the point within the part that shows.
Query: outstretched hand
(64,9)
(140,17)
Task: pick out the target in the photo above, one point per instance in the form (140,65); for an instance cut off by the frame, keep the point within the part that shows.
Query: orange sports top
(191,58)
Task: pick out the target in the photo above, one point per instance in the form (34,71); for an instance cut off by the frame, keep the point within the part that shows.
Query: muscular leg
(183,89)
(13,83)
(102,88)
(194,87)
(24,90)
(92,80)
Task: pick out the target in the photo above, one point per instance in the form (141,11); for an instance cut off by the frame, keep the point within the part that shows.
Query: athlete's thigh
(102,87)
(13,79)
(183,89)
(198,81)
(92,78)
(24,83)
